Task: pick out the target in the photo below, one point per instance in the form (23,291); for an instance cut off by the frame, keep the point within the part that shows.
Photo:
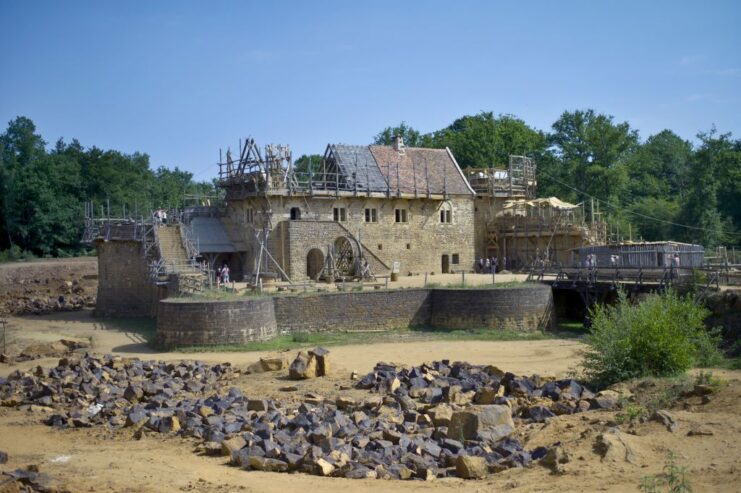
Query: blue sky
(178,79)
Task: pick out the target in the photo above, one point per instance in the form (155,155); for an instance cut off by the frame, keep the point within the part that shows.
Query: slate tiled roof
(211,236)
(380,168)
(357,166)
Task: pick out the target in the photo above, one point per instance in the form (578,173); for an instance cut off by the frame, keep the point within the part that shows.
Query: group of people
(591,261)
(489,265)
(222,275)
(160,216)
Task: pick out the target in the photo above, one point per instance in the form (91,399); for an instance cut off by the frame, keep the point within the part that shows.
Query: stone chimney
(399,144)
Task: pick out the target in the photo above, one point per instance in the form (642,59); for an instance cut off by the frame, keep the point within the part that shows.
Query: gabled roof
(358,168)
(420,170)
(415,170)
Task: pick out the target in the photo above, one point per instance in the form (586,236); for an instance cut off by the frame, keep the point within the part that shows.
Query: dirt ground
(36,286)
(100,459)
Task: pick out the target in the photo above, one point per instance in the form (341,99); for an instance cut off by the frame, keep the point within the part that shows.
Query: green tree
(308,163)
(412,137)
(660,167)
(593,150)
(483,140)
(716,158)
(665,211)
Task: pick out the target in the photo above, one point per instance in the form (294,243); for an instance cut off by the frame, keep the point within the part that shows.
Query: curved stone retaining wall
(519,308)
(184,323)
(181,323)
(353,311)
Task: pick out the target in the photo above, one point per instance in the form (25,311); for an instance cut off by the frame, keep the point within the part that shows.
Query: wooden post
(425,279)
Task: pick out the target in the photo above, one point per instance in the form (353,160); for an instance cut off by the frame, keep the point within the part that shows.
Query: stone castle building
(359,213)
(364,210)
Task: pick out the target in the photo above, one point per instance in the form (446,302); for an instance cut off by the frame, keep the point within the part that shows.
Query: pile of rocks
(422,428)
(534,398)
(90,390)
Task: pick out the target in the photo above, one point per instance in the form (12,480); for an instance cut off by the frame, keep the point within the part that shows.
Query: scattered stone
(232,445)
(700,431)
(614,447)
(322,361)
(414,428)
(303,367)
(539,414)
(323,467)
(257,405)
(345,403)
(212,448)
(666,419)
(554,458)
(273,364)
(489,423)
(470,467)
(3,457)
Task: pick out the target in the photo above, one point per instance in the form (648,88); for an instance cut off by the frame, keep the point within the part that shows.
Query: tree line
(43,190)
(659,189)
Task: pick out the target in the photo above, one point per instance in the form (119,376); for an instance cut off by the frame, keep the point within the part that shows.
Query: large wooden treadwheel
(344,257)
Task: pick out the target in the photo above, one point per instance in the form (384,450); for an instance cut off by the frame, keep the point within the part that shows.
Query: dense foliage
(662,188)
(43,190)
(662,336)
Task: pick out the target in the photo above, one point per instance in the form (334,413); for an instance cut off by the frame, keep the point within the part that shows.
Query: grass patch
(674,479)
(337,338)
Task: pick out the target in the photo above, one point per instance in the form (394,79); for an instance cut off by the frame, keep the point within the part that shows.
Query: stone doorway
(445,264)
(314,263)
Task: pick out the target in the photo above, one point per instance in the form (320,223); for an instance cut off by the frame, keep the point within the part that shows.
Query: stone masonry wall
(520,308)
(185,323)
(418,244)
(182,322)
(353,311)
(124,289)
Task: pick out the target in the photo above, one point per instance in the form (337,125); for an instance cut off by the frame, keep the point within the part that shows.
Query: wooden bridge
(596,284)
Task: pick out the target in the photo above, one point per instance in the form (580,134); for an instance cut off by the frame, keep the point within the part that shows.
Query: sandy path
(554,357)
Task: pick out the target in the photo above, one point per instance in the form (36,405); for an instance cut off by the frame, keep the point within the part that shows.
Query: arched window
(446,213)
(295,213)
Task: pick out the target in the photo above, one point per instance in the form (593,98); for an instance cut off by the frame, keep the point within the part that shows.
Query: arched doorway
(314,263)
(295,213)
(446,264)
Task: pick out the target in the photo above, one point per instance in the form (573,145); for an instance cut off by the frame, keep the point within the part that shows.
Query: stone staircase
(176,261)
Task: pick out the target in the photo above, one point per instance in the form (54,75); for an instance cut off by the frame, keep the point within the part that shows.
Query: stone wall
(353,311)
(124,289)
(519,308)
(186,322)
(417,244)
(182,322)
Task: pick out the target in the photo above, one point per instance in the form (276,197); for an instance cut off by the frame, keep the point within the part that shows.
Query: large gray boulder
(491,423)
